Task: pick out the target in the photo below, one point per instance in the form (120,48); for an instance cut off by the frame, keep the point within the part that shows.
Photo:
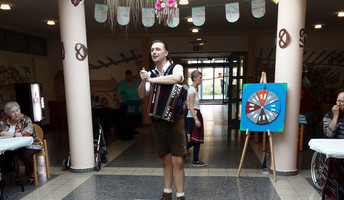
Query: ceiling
(30,16)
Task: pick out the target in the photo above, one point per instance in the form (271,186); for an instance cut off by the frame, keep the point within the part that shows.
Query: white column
(77,85)
(289,61)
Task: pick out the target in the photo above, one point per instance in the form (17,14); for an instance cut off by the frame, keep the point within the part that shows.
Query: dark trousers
(26,156)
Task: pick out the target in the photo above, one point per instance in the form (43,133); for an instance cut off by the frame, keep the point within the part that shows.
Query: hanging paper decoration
(175,20)
(198,15)
(123,14)
(258,8)
(100,12)
(165,10)
(148,17)
(232,12)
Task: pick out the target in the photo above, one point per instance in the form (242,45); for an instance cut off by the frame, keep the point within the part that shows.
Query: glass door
(236,80)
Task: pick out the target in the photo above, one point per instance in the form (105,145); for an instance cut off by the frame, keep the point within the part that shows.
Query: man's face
(340,101)
(158,52)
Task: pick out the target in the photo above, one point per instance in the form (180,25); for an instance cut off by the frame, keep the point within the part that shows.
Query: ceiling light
(189,19)
(51,22)
(340,14)
(5,6)
(195,30)
(199,39)
(183,2)
(318,26)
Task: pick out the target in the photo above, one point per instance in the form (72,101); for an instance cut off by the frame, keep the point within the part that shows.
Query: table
(10,144)
(333,149)
(330,147)
(13,143)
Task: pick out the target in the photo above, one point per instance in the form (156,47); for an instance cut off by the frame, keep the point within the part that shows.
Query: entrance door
(213,85)
(235,86)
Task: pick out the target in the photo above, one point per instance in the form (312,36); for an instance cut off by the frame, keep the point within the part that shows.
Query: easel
(262,80)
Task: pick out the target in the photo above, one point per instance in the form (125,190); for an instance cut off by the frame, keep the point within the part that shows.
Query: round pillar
(77,85)
(289,61)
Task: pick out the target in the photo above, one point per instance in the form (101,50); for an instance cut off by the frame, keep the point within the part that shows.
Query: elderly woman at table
(16,124)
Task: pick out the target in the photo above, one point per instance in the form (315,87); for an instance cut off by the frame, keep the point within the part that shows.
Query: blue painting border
(280,90)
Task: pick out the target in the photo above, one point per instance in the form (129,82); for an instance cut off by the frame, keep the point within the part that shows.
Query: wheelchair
(317,166)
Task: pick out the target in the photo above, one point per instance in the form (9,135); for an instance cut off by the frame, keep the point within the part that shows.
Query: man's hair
(340,92)
(162,42)
(129,72)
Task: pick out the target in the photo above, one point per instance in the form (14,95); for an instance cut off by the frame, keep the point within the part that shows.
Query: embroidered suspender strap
(169,71)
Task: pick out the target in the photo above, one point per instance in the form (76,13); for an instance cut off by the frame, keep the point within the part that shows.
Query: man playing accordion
(168,136)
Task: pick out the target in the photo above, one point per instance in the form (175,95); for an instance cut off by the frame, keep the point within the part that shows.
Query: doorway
(223,79)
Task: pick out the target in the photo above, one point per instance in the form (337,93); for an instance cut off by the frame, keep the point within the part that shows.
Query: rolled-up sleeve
(178,69)
(329,128)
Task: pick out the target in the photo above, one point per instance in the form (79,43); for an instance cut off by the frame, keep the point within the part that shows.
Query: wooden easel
(262,80)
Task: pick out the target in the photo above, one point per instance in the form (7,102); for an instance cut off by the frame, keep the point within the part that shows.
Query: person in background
(194,119)
(169,137)
(16,124)
(333,121)
(307,105)
(130,103)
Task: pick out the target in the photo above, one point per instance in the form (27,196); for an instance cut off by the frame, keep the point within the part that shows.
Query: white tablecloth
(12,143)
(330,147)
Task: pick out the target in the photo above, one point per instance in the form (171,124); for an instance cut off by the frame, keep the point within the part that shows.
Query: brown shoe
(166,196)
(181,198)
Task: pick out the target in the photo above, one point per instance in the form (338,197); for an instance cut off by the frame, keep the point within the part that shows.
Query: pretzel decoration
(80,51)
(303,38)
(76,2)
(284,38)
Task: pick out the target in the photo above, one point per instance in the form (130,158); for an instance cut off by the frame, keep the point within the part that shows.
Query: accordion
(166,101)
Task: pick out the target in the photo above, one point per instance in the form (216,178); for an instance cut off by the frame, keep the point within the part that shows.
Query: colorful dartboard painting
(263,107)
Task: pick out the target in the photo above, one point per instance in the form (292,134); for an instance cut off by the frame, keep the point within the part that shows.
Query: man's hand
(335,110)
(144,74)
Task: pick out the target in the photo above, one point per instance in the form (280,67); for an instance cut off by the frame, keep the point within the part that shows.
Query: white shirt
(192,90)
(178,69)
(12,129)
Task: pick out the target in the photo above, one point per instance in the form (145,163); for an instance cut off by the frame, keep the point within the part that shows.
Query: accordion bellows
(166,101)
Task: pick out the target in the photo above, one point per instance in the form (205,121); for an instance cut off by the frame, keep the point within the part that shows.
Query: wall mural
(9,75)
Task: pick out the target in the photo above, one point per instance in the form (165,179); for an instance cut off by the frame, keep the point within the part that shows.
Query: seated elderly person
(333,168)
(16,124)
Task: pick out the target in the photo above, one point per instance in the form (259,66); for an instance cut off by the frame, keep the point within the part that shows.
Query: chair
(44,153)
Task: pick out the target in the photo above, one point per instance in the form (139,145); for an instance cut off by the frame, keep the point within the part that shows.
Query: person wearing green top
(128,88)
(130,112)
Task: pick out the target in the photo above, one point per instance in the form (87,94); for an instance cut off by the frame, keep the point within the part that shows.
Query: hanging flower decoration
(165,13)
(158,6)
(171,3)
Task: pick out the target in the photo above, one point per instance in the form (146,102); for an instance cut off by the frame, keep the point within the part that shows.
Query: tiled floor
(134,170)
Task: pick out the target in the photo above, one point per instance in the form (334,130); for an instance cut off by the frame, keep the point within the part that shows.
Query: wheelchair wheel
(317,166)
